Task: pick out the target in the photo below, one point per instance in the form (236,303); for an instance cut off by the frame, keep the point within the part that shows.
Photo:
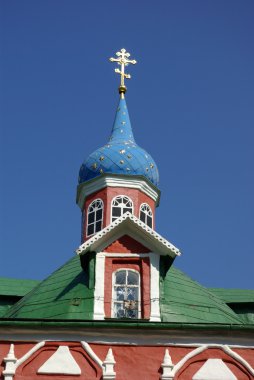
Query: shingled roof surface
(234,295)
(15,287)
(186,301)
(66,295)
(63,295)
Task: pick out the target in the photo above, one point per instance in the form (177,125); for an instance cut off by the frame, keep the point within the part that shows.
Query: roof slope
(15,287)
(186,301)
(63,295)
(234,295)
(67,295)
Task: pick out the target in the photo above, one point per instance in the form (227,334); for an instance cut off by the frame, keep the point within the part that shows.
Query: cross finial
(123,61)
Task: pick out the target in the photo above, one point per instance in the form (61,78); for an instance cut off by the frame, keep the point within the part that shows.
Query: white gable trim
(214,369)
(131,182)
(99,312)
(128,224)
(60,363)
(202,348)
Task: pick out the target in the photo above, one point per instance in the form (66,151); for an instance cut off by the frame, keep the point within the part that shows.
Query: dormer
(128,256)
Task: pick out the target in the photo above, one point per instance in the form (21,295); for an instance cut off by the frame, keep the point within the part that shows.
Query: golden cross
(123,61)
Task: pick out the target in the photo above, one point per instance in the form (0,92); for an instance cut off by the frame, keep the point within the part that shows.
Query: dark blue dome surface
(121,155)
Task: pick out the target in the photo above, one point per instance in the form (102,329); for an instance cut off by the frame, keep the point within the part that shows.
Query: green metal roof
(186,301)
(67,294)
(15,287)
(63,295)
(234,295)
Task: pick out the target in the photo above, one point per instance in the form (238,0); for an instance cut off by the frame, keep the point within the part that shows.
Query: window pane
(132,278)
(120,293)
(120,277)
(98,226)
(99,214)
(91,218)
(127,210)
(116,211)
(132,313)
(142,217)
(149,221)
(90,229)
(118,310)
(132,294)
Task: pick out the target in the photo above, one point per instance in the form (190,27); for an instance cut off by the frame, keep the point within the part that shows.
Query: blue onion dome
(121,155)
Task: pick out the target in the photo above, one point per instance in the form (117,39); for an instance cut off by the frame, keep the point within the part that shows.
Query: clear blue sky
(190,101)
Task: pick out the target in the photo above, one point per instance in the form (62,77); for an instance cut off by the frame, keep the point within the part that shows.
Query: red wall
(135,362)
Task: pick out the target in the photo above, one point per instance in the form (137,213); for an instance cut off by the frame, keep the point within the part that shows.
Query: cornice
(110,180)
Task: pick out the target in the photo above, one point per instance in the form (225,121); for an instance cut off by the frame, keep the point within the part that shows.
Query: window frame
(111,211)
(126,285)
(146,214)
(95,221)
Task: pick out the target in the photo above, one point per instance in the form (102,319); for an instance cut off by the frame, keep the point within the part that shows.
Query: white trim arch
(146,214)
(94,219)
(120,205)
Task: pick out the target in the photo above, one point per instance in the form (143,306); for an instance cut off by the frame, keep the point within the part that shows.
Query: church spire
(123,61)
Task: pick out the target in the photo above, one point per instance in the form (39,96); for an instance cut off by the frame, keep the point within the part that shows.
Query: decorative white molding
(37,347)
(61,362)
(99,313)
(167,366)
(128,224)
(10,364)
(214,369)
(131,182)
(108,366)
(92,354)
(202,348)
(13,363)
(155,315)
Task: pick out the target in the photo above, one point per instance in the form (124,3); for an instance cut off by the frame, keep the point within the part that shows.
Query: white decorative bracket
(10,366)
(108,366)
(167,366)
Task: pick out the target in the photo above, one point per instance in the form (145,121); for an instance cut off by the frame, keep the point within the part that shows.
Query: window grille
(126,294)
(146,214)
(120,205)
(94,217)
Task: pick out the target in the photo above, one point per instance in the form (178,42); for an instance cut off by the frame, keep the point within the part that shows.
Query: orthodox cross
(123,61)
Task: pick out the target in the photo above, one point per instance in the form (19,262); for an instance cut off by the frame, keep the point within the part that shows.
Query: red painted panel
(126,244)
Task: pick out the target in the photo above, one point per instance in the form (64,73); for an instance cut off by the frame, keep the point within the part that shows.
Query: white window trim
(99,312)
(87,213)
(113,288)
(111,209)
(146,204)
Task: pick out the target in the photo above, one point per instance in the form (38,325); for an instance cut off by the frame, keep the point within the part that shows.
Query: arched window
(126,294)
(146,214)
(120,205)
(94,217)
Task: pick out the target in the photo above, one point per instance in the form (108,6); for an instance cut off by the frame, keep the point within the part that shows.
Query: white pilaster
(155,287)
(99,287)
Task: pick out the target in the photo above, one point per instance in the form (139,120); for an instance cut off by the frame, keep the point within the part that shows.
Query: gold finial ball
(122,89)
